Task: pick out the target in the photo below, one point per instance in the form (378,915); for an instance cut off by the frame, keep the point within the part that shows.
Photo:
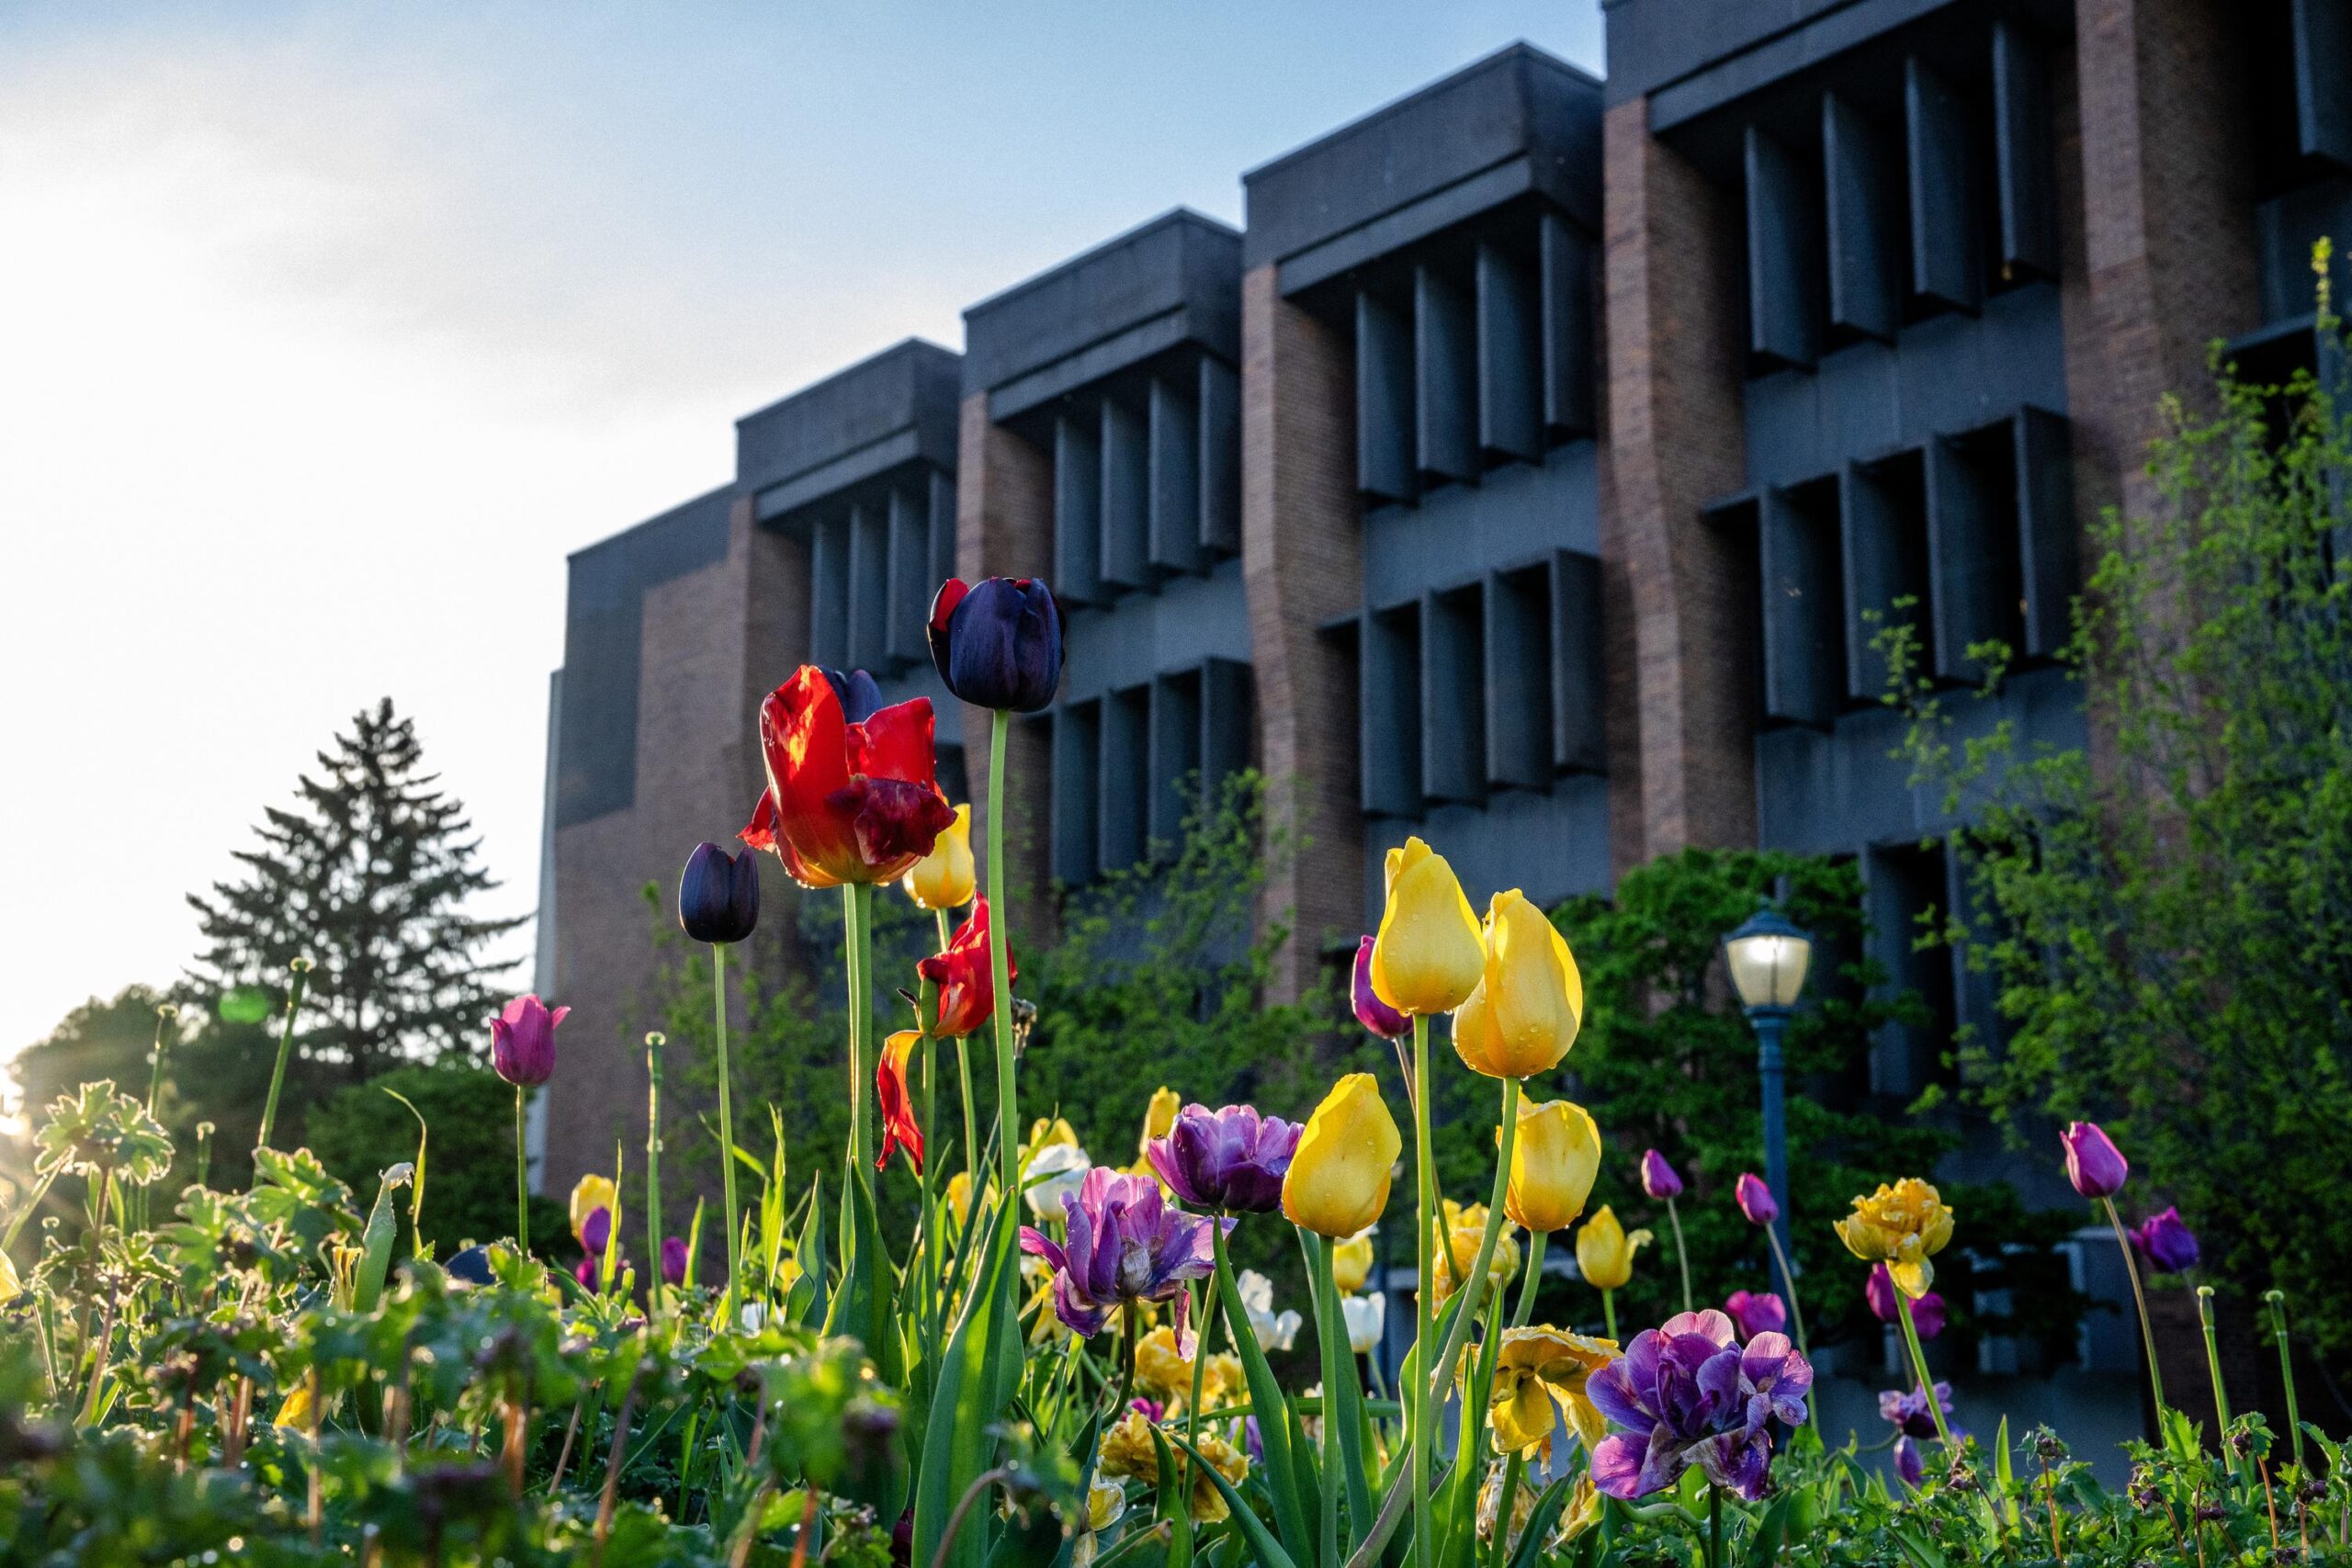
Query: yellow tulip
(1454,1246)
(1127,1450)
(1428,957)
(1351,1261)
(1533,1369)
(296,1413)
(1338,1182)
(1523,1014)
(593,1192)
(943,879)
(1057,1130)
(11,1285)
(1158,1119)
(1901,1226)
(1162,1369)
(1553,1165)
(1605,1253)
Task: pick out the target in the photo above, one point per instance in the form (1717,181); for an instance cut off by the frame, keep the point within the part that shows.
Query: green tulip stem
(299,973)
(1535,1245)
(963,1082)
(999,965)
(163,1017)
(1608,1311)
(1715,1527)
(40,1190)
(2139,1300)
(1423,1408)
(654,1040)
(727,1134)
(1919,1364)
(1497,1548)
(2277,1301)
(2214,1365)
(1337,1362)
(1433,1379)
(1681,1256)
(1789,1277)
(853,963)
(522,1180)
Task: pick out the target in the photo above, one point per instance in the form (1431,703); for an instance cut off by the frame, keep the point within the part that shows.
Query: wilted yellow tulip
(1455,1247)
(1162,1370)
(1523,1014)
(943,879)
(1428,957)
(592,1193)
(1605,1253)
(1351,1261)
(1535,1367)
(1339,1179)
(1553,1164)
(1901,1226)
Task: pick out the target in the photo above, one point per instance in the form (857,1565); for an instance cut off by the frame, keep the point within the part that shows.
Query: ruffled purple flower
(1906,1410)
(1686,1394)
(1658,1179)
(1232,1159)
(2166,1242)
(1757,1312)
(1926,1313)
(1123,1243)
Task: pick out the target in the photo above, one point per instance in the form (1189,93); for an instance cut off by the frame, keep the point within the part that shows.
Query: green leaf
(1266,1397)
(1540,1521)
(1269,1550)
(416,1193)
(976,1383)
(1772,1531)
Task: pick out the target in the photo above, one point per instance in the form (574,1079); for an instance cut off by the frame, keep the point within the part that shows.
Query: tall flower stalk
(654,1040)
(298,981)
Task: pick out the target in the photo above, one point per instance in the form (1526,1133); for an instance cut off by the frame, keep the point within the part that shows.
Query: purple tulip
(1755,1199)
(1757,1312)
(1907,1410)
(1658,1179)
(719,894)
(522,1042)
(1232,1159)
(1908,1462)
(673,1260)
(596,1230)
(1687,1393)
(860,698)
(1150,1410)
(1926,1313)
(587,1270)
(997,643)
(2094,1164)
(2164,1242)
(1125,1244)
(1371,1011)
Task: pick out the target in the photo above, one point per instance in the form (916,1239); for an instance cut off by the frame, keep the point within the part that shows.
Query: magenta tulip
(522,1042)
(1658,1179)
(2166,1242)
(1371,1011)
(2094,1164)
(1757,1312)
(1755,1199)
(1926,1313)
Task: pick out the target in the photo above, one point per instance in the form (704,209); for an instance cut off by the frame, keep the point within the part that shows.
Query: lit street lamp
(1769,956)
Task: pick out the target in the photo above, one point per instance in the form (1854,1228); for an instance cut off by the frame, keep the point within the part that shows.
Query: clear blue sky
(331,328)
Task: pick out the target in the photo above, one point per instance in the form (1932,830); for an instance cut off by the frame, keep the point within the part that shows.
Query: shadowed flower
(1371,1011)
(1053,1175)
(1122,1244)
(719,895)
(1367,1318)
(2094,1164)
(590,1194)
(1906,1410)
(1908,1462)
(997,643)
(1276,1331)
(522,1040)
(899,1128)
(1926,1313)
(1553,1162)
(673,1260)
(1128,1451)
(1757,1312)
(944,878)
(1686,1394)
(1231,1159)
(858,693)
(1658,1179)
(1534,1370)
(1902,1226)
(845,801)
(1454,1246)
(1755,1199)
(966,983)
(1352,1260)
(2166,1242)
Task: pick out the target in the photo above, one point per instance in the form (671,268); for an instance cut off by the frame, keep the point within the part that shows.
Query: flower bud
(1658,1179)
(998,643)
(2094,1164)
(522,1042)
(1338,1181)
(719,895)
(1371,1011)
(1429,956)
(1523,1014)
(1755,1199)
(1605,1253)
(1553,1164)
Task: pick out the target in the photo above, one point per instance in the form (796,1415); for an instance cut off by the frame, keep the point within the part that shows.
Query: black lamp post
(1768,957)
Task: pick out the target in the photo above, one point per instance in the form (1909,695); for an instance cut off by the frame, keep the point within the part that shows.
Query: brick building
(1524,474)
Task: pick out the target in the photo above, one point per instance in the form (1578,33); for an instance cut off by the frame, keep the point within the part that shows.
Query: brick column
(1005,527)
(1302,562)
(1675,443)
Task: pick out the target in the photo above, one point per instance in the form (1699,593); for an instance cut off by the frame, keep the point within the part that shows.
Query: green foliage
(2168,916)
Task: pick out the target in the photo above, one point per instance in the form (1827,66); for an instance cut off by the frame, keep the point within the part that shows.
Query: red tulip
(899,1128)
(845,801)
(966,990)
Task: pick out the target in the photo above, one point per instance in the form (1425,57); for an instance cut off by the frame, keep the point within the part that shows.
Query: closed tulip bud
(719,895)
(1658,1179)
(1366,1316)
(2166,1242)
(1371,1011)
(1755,1199)
(522,1040)
(1553,1164)
(673,1260)
(1338,1181)
(944,879)
(1523,1014)
(861,698)
(1605,1253)
(1428,957)
(998,643)
(2094,1164)
(1352,1260)
(590,1194)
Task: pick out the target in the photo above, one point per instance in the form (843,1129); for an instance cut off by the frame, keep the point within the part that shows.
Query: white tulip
(1276,1331)
(1053,1172)
(1366,1315)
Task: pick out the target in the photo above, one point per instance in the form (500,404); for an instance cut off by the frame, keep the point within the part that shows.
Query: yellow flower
(1582,1513)
(1159,1116)
(593,1193)
(1455,1244)
(1523,1014)
(1605,1253)
(1162,1369)
(294,1414)
(1491,1505)
(1351,1261)
(1338,1182)
(1044,1133)
(1901,1226)
(11,1287)
(1428,957)
(1128,1451)
(1220,1379)
(1535,1367)
(943,879)
(1552,1166)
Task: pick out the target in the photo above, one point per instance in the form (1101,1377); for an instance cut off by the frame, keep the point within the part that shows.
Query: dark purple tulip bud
(2094,1164)
(860,698)
(1926,1313)
(998,643)
(587,1271)
(596,1230)
(1755,1199)
(1757,1312)
(1658,1179)
(1908,1462)
(471,1266)
(2165,1242)
(1231,1159)
(1371,1011)
(673,1262)
(522,1042)
(719,894)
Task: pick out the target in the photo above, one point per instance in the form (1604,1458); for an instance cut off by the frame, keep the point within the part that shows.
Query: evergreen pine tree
(371,873)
